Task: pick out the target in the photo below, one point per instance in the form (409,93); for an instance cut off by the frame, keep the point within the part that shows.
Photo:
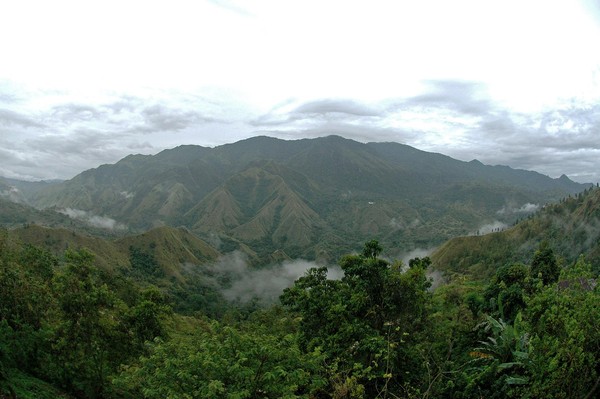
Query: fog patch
(415,253)
(526,208)
(102,222)
(240,283)
(493,227)
(436,277)
(396,224)
(214,240)
(12,194)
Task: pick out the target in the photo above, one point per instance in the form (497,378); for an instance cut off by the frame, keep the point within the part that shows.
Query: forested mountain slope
(571,227)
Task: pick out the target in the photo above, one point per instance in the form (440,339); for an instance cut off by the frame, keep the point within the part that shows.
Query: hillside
(169,249)
(311,198)
(19,191)
(571,227)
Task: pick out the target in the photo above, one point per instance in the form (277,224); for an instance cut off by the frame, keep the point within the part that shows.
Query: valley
(310,268)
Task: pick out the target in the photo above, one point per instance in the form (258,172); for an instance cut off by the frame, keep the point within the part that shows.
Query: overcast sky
(514,82)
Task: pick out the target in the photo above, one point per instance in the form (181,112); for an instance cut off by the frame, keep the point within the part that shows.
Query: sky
(84,83)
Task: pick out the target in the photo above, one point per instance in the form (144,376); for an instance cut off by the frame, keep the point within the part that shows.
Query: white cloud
(525,208)
(102,222)
(244,283)
(441,76)
(528,208)
(12,194)
(490,228)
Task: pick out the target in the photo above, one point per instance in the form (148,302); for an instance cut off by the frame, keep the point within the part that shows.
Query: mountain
(19,190)
(169,249)
(312,198)
(571,227)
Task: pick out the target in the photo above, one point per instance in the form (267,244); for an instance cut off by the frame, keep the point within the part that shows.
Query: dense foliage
(62,321)
(70,329)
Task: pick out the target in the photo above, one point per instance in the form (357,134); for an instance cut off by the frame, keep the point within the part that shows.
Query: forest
(69,329)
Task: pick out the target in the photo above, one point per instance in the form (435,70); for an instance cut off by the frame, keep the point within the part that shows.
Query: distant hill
(311,198)
(19,190)
(571,227)
(170,248)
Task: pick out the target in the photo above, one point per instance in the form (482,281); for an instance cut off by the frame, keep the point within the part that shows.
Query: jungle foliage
(70,329)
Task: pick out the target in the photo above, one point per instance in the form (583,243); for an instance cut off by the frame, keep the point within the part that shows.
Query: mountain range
(310,198)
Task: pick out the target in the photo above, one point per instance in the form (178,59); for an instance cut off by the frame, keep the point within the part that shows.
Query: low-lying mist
(238,282)
(102,222)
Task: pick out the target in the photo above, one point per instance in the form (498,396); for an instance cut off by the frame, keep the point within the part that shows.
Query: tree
(565,350)
(220,361)
(25,302)
(544,264)
(505,295)
(89,340)
(364,323)
(372,249)
(145,318)
(423,263)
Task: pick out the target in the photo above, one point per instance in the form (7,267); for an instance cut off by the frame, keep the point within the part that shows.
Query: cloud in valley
(415,253)
(12,194)
(239,282)
(101,222)
(525,209)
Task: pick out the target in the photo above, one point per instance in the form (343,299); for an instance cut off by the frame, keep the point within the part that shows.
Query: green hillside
(170,247)
(571,227)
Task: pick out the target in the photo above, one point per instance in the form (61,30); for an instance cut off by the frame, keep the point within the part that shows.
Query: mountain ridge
(329,189)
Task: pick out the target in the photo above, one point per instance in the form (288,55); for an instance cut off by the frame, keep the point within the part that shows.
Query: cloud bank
(456,118)
(240,283)
(102,222)
(459,119)
(440,76)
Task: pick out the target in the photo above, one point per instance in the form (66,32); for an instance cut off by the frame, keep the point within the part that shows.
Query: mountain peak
(564,177)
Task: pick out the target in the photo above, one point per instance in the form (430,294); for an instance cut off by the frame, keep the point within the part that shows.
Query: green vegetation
(569,228)
(62,323)
(363,324)
(73,330)
(143,316)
